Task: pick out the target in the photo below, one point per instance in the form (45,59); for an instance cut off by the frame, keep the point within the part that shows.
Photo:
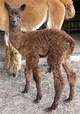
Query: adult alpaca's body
(55,44)
(36,13)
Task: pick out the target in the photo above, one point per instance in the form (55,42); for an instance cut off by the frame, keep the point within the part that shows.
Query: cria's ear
(22,7)
(7,5)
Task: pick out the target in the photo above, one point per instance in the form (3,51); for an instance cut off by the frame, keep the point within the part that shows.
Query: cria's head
(14,14)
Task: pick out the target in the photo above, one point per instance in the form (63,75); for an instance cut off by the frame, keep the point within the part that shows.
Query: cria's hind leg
(28,75)
(71,75)
(59,84)
(37,78)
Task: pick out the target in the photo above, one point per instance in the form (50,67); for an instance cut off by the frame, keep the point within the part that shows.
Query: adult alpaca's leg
(71,75)
(7,57)
(13,58)
(15,61)
(7,51)
(56,14)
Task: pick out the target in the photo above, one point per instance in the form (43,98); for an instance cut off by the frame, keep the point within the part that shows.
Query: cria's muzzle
(14,22)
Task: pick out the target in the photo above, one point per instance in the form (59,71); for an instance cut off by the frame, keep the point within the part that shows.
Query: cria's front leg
(37,78)
(28,75)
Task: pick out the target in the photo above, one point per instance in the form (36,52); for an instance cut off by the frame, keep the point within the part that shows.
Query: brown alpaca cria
(57,45)
(43,12)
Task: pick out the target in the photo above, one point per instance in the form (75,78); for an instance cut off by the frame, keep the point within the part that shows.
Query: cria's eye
(19,17)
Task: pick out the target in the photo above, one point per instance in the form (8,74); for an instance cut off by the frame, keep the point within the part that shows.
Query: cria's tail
(71,43)
(70,11)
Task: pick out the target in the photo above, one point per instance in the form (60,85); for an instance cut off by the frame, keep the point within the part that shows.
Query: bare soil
(12,101)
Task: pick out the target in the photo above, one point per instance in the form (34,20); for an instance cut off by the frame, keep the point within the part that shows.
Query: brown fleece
(56,44)
(33,16)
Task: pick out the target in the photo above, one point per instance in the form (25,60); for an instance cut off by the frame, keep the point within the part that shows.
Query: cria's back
(48,40)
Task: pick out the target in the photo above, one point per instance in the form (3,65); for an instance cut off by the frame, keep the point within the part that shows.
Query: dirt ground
(12,101)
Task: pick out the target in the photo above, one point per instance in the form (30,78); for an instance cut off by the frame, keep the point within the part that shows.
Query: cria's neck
(15,36)
(15,28)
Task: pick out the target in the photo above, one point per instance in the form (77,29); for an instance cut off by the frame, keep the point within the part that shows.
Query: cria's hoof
(24,91)
(67,100)
(49,110)
(36,101)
